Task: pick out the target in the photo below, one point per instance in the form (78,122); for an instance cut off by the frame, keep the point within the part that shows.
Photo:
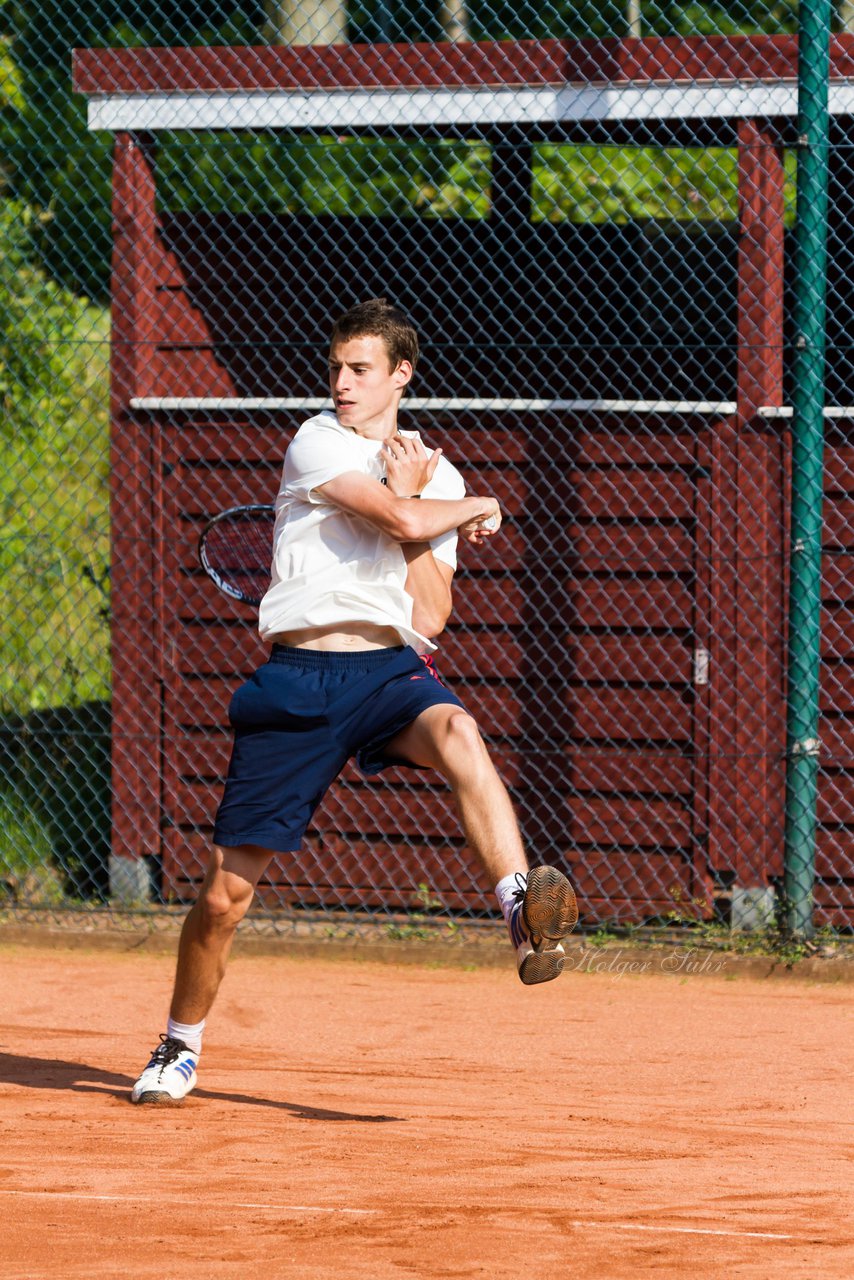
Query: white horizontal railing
(786,411)
(435,404)
(389,108)
(460,404)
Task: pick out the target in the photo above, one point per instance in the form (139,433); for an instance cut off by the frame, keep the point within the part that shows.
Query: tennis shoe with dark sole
(169,1076)
(544,912)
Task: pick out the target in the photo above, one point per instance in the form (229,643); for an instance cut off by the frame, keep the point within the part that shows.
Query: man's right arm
(406,519)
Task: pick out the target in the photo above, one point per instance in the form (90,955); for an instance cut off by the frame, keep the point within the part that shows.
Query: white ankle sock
(190,1033)
(506,890)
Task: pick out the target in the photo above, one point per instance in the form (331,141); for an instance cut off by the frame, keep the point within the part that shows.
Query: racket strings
(237,552)
(242,546)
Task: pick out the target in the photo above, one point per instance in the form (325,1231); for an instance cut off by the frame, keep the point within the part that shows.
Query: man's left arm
(428,579)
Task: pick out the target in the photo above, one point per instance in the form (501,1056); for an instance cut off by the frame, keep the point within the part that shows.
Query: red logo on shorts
(427,659)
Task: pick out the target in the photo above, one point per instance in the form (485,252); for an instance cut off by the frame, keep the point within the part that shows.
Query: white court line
(317,1208)
(235,1204)
(687,1231)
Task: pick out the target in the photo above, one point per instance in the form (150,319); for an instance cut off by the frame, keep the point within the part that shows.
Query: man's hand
(400,519)
(408,467)
(483,526)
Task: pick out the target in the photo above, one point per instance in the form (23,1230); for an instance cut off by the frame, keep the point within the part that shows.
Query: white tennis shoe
(544,912)
(169,1076)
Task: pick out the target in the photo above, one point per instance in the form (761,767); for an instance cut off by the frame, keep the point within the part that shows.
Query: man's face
(365,390)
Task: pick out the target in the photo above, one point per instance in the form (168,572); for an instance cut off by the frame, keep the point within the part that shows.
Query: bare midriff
(353,639)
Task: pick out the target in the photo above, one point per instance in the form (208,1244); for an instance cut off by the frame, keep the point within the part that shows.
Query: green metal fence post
(807,465)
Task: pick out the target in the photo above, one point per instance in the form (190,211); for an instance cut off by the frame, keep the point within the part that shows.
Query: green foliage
(54,487)
(11,80)
(506,20)
(55,799)
(27,872)
(601,937)
(53,164)
(426,899)
(38,321)
(420,926)
(353,177)
(747,17)
(583,19)
(335,177)
(622,184)
(602,184)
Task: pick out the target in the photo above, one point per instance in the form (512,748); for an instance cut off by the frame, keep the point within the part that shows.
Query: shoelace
(167,1051)
(522,882)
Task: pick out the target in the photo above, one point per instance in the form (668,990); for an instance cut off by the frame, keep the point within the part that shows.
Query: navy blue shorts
(296,723)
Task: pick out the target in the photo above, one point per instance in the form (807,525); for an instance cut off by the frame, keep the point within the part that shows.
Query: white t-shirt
(330,567)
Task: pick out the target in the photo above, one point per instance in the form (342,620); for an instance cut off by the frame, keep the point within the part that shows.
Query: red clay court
(356,1119)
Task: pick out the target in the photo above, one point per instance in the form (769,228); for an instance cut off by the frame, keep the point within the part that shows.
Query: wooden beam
(755,708)
(761,181)
(704,59)
(136,690)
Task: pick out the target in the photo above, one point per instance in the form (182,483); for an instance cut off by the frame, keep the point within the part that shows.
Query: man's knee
(222,906)
(225,896)
(461,747)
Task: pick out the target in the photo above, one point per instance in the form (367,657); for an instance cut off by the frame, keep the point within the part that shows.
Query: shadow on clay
(78,1077)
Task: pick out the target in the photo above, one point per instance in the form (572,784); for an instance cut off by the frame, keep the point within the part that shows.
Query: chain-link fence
(590,213)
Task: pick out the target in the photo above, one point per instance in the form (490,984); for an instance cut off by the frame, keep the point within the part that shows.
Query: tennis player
(364,552)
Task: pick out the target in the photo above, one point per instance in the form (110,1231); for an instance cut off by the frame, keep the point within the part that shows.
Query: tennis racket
(235,551)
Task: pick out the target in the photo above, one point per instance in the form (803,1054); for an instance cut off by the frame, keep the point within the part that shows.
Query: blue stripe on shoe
(518,932)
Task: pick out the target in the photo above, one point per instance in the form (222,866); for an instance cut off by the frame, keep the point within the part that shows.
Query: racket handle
(490,523)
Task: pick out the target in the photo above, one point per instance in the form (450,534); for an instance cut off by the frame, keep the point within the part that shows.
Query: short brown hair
(378,318)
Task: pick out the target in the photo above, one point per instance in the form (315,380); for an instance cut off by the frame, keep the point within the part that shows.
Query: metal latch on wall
(702,658)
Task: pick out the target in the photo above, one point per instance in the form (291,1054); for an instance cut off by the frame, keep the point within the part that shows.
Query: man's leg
(447,739)
(206,938)
(209,927)
(539,906)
